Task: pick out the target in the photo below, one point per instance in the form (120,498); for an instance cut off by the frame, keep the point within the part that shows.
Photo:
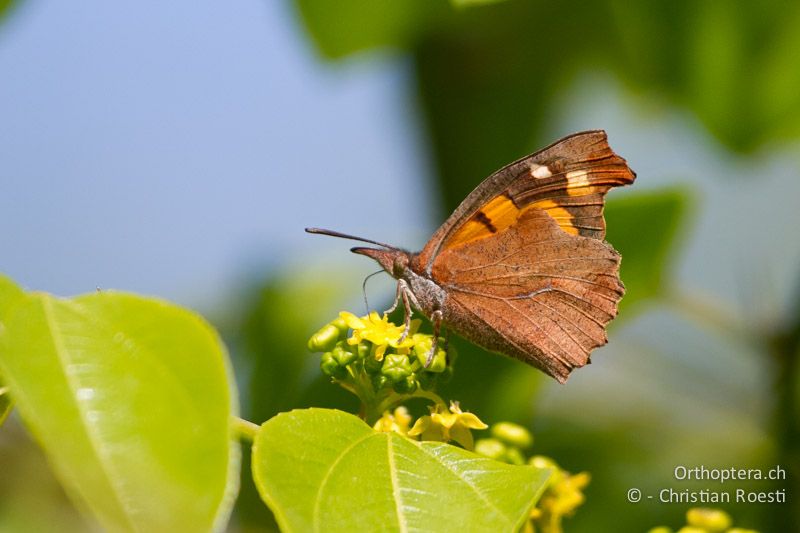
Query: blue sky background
(164,147)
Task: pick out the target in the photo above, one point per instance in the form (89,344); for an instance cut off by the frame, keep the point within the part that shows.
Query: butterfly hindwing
(533,292)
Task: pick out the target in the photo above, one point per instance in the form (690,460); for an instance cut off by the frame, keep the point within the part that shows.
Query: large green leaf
(644,228)
(325,470)
(131,400)
(10,294)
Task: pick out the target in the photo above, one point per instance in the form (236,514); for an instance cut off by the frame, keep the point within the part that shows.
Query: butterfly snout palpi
(521,267)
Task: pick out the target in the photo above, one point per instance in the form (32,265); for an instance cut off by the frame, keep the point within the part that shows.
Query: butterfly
(521,267)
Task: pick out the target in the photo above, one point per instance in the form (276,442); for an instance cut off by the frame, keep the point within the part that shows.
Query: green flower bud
(330,366)
(379,381)
(514,456)
(660,529)
(692,529)
(541,461)
(396,367)
(342,354)
(713,520)
(492,448)
(423,347)
(405,386)
(324,339)
(341,325)
(512,434)
(361,349)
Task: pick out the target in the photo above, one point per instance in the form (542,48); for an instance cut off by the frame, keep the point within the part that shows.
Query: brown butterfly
(521,267)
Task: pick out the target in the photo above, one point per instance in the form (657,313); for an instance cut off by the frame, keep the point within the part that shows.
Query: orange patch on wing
(559,214)
(498,214)
(580,188)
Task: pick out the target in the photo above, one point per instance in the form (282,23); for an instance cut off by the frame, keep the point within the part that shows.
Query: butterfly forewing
(567,180)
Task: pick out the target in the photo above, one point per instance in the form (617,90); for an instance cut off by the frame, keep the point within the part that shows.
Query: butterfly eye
(399,266)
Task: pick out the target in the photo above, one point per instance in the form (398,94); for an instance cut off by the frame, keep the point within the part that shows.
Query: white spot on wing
(540,171)
(577,178)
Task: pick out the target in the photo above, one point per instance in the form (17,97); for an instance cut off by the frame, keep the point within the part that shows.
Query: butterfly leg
(436,320)
(409,312)
(404,293)
(397,297)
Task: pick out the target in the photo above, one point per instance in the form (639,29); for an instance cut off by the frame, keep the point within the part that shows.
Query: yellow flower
(398,421)
(379,331)
(708,519)
(563,495)
(445,425)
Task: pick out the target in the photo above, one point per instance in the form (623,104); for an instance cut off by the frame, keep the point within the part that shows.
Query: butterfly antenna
(320,231)
(364,287)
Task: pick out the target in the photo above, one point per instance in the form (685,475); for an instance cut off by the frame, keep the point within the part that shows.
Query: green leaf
(645,261)
(325,470)
(10,294)
(131,400)
(347,26)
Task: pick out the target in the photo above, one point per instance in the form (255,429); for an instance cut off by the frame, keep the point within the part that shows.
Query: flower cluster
(564,492)
(375,358)
(705,520)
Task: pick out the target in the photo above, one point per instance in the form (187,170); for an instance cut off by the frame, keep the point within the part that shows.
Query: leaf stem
(245,429)
(396,399)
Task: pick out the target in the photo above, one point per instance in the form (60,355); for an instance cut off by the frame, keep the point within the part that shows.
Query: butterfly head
(394,261)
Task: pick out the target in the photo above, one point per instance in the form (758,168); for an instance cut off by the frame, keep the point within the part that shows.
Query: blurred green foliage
(488,74)
(645,264)
(6,6)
